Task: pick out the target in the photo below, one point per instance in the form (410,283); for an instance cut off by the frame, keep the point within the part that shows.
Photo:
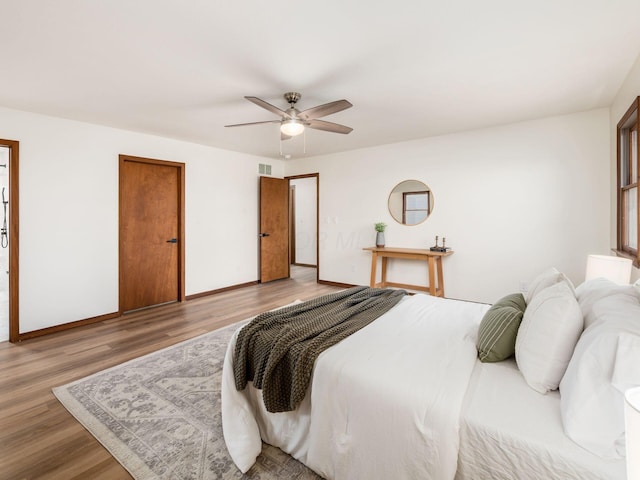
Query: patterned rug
(159,415)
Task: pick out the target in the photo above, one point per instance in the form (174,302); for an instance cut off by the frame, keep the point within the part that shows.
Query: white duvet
(508,430)
(384,403)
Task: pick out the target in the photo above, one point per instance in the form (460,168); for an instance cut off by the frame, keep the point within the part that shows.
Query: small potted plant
(380,226)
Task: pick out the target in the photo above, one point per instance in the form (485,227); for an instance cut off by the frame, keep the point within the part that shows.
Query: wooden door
(274,229)
(151,232)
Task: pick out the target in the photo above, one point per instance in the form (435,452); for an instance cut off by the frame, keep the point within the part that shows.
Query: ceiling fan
(293,121)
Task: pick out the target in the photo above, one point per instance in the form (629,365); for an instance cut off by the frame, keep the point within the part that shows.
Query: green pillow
(499,327)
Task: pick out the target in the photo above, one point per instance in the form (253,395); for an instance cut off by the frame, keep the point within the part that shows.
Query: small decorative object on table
(380,226)
(437,248)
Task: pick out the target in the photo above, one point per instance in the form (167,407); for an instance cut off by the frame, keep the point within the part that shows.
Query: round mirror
(410,202)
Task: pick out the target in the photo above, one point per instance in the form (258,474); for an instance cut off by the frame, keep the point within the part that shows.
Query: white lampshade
(616,269)
(292,127)
(632,427)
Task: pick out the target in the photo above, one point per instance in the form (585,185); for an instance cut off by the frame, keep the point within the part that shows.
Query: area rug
(159,415)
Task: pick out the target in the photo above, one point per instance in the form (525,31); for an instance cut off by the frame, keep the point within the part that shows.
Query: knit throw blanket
(277,350)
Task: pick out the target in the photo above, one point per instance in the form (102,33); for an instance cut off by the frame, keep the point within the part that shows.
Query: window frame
(406,209)
(629,122)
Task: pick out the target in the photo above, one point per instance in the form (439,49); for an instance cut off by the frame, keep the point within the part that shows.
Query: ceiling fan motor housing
(292,97)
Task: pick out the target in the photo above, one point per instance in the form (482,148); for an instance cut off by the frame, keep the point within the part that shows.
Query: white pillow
(604,364)
(591,291)
(544,280)
(550,328)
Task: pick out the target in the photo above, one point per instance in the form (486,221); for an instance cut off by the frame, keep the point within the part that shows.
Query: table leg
(432,277)
(440,277)
(374,266)
(383,279)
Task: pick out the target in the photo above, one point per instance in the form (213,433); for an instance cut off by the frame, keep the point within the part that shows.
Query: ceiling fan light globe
(292,128)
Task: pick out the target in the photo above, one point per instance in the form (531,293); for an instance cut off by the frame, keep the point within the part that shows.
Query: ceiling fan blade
(329,126)
(252,123)
(324,110)
(268,106)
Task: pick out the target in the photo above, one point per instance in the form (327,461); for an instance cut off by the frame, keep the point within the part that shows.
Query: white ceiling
(411,68)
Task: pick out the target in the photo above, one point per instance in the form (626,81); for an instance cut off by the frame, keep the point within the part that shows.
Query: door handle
(263,235)
(172,240)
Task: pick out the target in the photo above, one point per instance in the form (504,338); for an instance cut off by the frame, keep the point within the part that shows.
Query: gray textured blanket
(277,350)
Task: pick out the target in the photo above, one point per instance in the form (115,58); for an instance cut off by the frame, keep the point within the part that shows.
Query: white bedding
(509,431)
(377,407)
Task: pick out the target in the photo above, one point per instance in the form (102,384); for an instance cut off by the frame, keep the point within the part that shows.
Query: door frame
(14,240)
(181,223)
(317,177)
(292,224)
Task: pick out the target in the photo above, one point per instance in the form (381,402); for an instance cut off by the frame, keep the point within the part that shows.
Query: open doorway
(303,225)
(9,323)
(4,243)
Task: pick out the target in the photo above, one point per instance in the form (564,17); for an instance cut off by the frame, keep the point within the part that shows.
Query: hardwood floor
(39,439)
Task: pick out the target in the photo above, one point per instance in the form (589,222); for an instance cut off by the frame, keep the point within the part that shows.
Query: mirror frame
(398,189)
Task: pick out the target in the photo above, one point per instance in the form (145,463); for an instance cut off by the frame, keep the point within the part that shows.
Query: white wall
(305,219)
(69,214)
(510,200)
(629,90)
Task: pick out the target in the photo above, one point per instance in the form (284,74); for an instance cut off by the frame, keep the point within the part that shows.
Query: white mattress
(509,431)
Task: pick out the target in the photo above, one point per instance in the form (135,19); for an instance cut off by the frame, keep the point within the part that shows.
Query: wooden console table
(434,259)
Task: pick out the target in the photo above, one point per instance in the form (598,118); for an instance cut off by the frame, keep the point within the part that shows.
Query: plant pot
(380,239)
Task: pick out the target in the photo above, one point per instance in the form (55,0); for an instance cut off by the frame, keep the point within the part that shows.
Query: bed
(408,397)
(522,432)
